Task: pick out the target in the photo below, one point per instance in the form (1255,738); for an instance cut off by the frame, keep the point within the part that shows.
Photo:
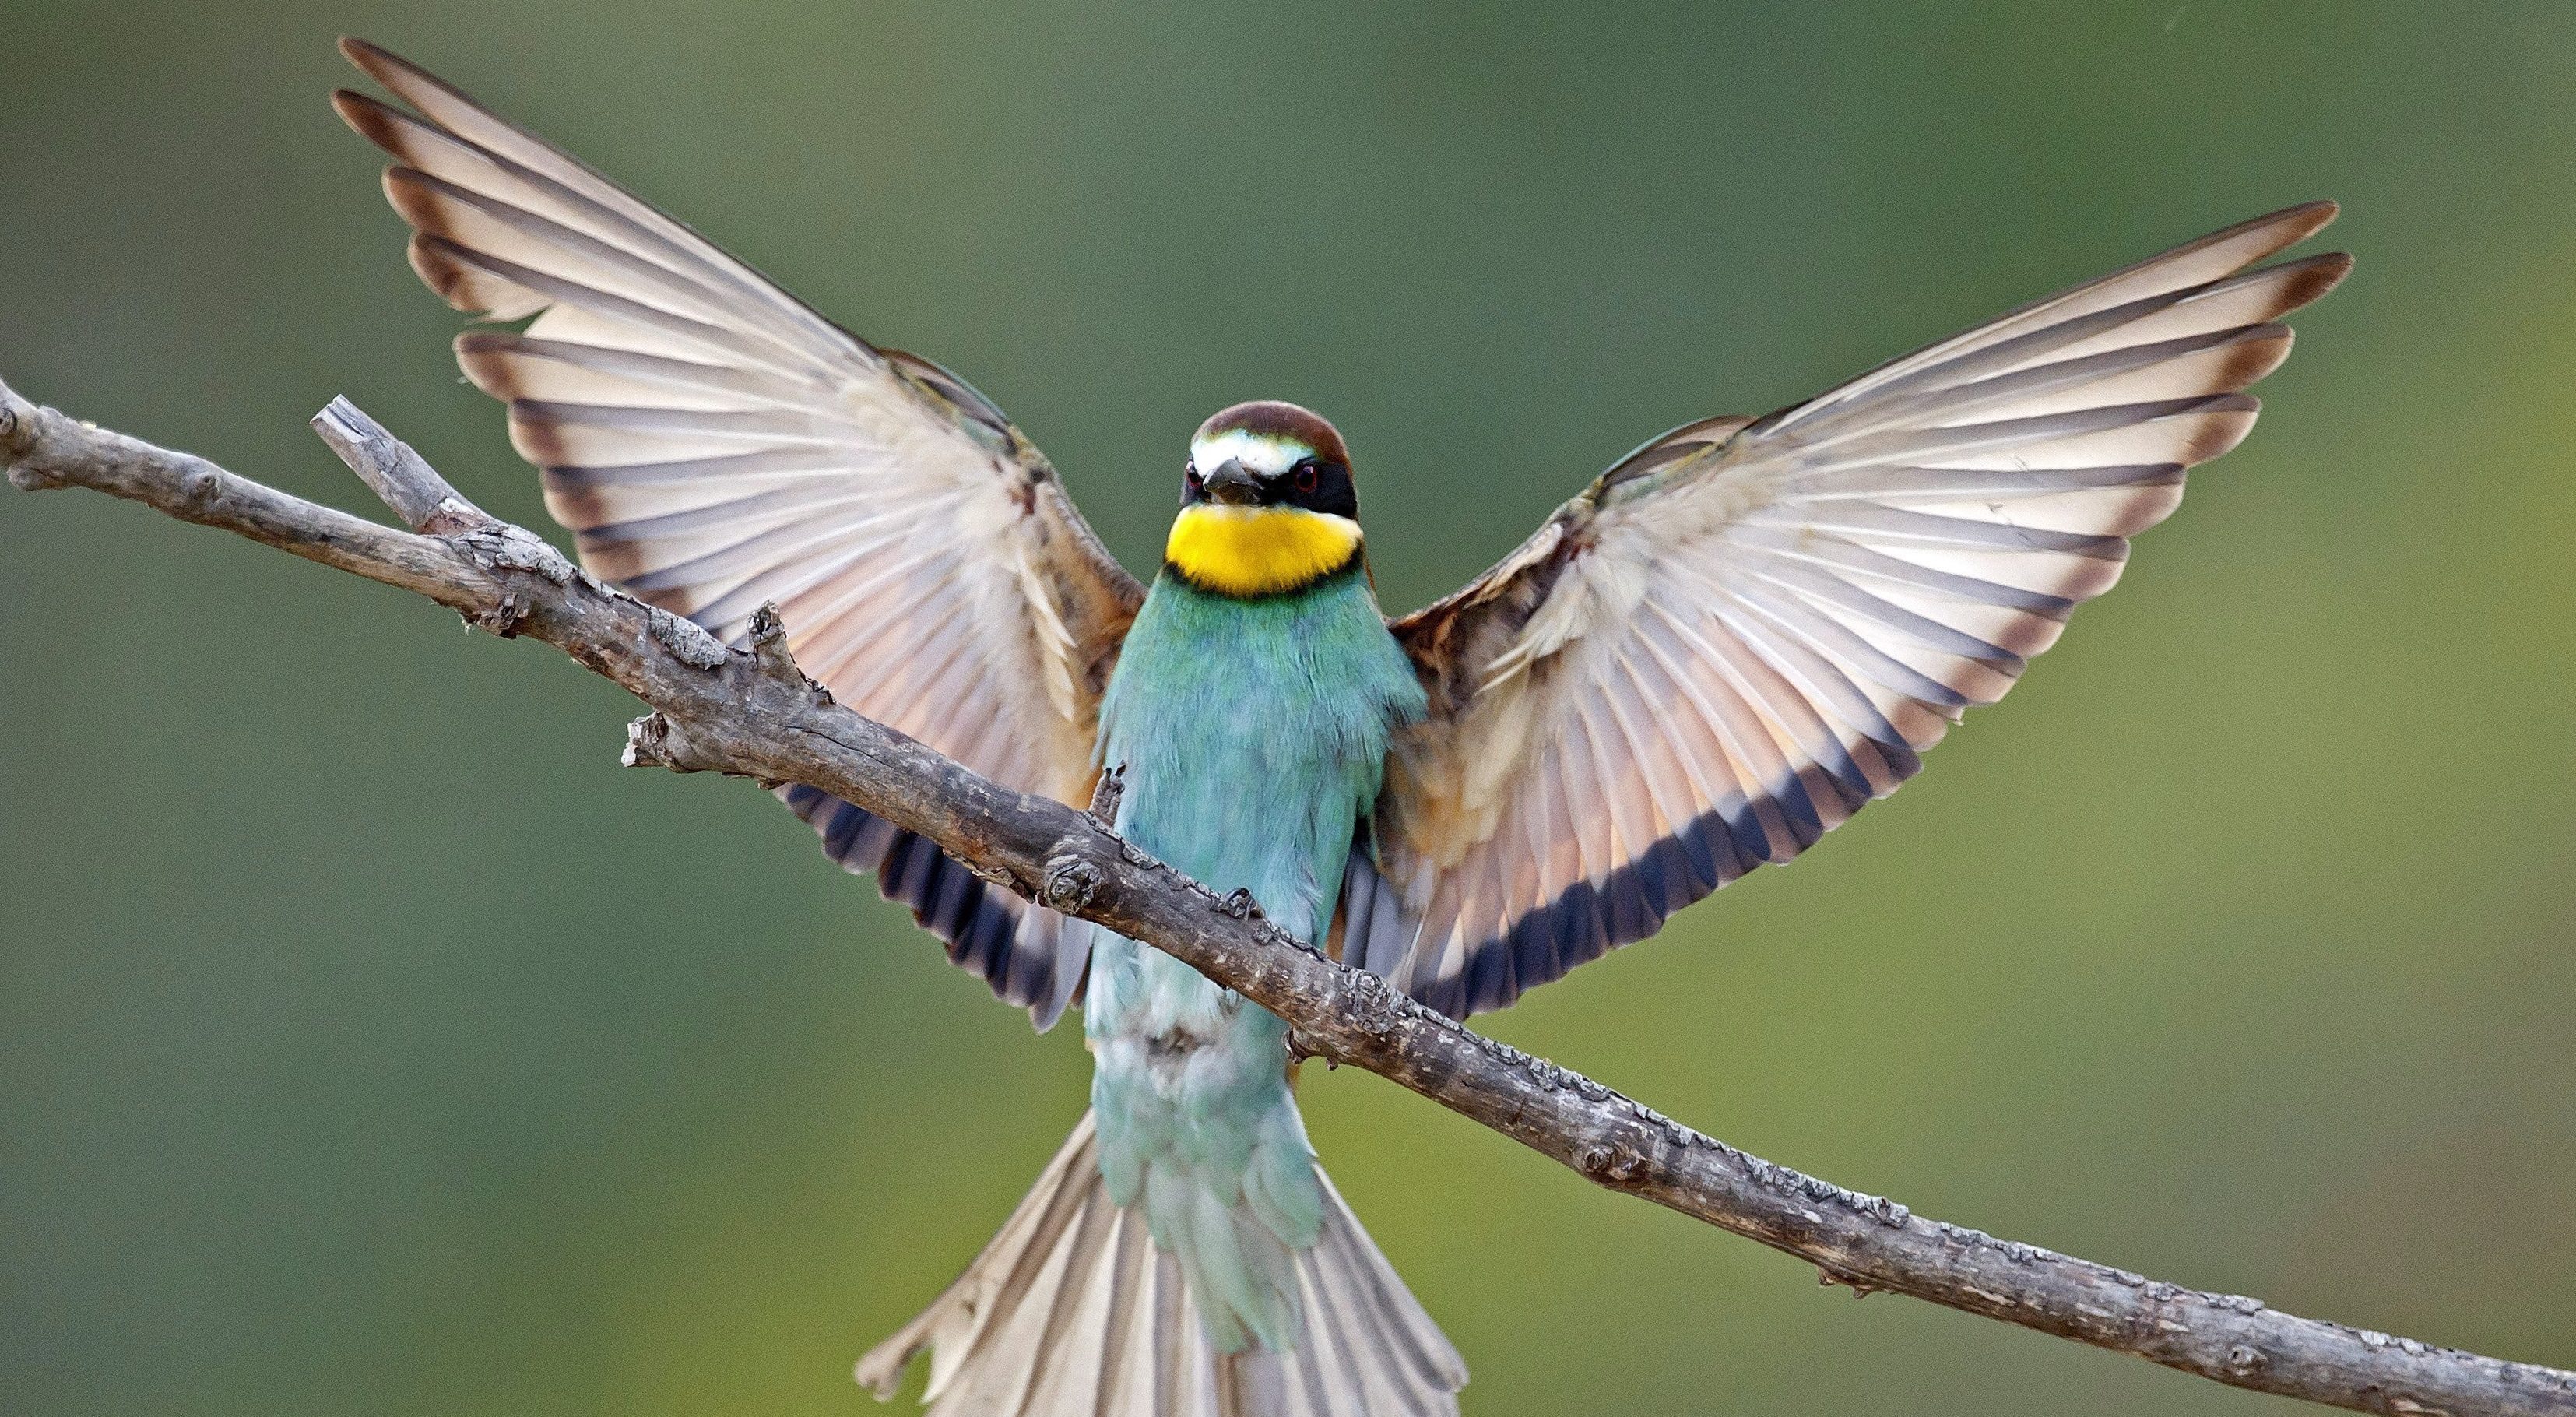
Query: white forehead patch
(1265,454)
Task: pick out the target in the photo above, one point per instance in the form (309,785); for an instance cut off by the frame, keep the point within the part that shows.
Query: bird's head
(1267,503)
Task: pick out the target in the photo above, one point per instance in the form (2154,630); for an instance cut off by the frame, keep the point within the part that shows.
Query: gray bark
(751,712)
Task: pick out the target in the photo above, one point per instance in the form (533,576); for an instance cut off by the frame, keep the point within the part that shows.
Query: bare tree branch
(751,712)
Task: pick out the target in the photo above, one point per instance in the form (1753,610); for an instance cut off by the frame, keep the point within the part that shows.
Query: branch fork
(751,712)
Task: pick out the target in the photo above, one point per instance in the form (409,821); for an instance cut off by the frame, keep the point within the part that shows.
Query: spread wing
(714,444)
(1749,628)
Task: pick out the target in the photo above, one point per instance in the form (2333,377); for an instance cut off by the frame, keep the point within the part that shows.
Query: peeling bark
(750,712)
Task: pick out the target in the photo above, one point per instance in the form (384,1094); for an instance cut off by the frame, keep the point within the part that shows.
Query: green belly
(1254,736)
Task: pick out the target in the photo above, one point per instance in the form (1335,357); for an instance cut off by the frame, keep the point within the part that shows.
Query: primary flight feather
(1715,653)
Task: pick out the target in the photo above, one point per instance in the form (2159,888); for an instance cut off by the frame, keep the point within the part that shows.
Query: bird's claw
(1106,794)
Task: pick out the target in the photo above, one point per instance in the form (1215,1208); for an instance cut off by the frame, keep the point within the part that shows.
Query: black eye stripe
(1331,491)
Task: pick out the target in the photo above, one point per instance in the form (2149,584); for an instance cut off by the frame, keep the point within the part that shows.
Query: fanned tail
(1072,1312)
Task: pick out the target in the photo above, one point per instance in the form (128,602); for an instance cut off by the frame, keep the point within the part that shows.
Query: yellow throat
(1249,551)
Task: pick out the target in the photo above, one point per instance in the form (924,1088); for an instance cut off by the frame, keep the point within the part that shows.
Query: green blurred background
(371,1043)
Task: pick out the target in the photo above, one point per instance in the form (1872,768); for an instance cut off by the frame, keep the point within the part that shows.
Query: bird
(1719,649)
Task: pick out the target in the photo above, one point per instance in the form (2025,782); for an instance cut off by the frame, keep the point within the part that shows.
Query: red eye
(1307,477)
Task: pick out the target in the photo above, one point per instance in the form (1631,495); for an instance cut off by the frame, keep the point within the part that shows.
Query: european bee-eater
(1715,653)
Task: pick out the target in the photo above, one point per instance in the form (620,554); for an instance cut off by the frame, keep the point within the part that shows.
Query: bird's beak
(1232,486)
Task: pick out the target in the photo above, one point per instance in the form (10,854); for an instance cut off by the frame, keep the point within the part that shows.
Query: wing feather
(715,445)
(1747,629)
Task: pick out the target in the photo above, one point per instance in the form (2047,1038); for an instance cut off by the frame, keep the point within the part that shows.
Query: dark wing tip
(2316,275)
(455,275)
(420,199)
(2275,232)
(382,64)
(417,86)
(485,356)
(2298,222)
(374,60)
(366,115)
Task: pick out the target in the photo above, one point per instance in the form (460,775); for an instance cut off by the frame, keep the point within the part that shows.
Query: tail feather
(1071,1311)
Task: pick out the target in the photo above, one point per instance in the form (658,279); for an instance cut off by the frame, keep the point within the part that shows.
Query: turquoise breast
(1254,734)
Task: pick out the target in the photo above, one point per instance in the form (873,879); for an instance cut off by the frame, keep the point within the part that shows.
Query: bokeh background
(371,1043)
